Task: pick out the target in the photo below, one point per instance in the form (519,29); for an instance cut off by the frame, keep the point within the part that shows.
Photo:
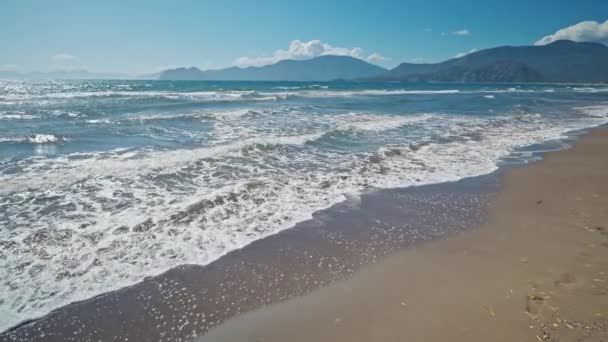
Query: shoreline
(536,271)
(190,284)
(336,243)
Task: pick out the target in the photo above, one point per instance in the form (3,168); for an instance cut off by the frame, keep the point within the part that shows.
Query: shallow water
(107,182)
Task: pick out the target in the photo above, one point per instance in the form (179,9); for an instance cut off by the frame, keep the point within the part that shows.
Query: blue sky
(146,36)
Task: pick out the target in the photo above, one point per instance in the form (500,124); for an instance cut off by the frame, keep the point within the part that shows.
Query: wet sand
(536,271)
(420,264)
(190,300)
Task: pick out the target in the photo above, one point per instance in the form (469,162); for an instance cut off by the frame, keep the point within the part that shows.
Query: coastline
(190,300)
(536,271)
(289,267)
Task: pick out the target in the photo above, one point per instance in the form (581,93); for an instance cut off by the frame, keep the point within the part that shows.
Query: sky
(139,37)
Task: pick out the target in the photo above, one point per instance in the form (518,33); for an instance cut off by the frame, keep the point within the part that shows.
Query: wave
(351,93)
(508,90)
(590,89)
(123,162)
(136,213)
(196,95)
(312,86)
(375,122)
(100,121)
(394,92)
(241,95)
(594,111)
(16,116)
(216,115)
(39,114)
(284,92)
(34,139)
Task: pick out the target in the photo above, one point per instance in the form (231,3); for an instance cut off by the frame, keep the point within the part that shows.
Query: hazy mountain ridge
(560,61)
(323,68)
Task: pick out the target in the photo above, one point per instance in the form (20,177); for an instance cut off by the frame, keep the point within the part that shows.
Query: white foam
(42,139)
(367,92)
(263,175)
(590,89)
(313,86)
(99,121)
(301,92)
(68,169)
(375,122)
(16,116)
(34,139)
(594,111)
(209,114)
(312,91)
(508,90)
(195,95)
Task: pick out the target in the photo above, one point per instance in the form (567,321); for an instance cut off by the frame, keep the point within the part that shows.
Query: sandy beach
(517,255)
(190,300)
(536,271)
(224,171)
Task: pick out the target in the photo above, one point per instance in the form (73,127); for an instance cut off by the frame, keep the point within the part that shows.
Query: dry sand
(538,270)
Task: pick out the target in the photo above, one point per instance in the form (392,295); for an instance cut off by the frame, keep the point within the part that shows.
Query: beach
(174,211)
(392,172)
(536,271)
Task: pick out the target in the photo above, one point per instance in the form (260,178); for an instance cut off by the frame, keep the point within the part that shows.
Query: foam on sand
(112,218)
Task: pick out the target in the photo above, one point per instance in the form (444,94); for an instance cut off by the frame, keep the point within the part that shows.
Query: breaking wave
(34,139)
(124,201)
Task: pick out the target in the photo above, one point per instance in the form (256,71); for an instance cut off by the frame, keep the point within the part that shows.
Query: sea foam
(87,221)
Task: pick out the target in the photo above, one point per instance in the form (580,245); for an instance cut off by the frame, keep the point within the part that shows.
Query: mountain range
(561,61)
(323,68)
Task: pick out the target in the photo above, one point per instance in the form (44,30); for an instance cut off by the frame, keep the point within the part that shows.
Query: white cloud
(463,32)
(585,31)
(306,50)
(462,54)
(428,29)
(63,57)
(418,59)
(376,57)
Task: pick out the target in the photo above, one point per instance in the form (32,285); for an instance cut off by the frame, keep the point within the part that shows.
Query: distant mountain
(323,68)
(560,61)
(182,74)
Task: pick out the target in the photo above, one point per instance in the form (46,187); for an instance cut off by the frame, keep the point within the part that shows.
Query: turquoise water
(104,183)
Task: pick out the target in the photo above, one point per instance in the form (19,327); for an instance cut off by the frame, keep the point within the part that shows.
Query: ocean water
(104,183)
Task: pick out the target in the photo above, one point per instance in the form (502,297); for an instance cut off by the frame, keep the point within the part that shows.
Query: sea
(105,183)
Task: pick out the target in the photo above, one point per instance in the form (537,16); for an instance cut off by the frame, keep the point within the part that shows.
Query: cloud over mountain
(585,31)
(462,54)
(299,50)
